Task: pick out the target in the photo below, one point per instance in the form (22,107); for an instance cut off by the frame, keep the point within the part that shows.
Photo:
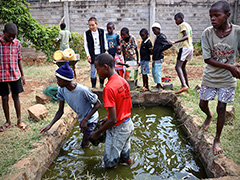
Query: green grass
(231,133)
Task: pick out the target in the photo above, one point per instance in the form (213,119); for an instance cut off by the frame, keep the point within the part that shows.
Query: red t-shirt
(117,94)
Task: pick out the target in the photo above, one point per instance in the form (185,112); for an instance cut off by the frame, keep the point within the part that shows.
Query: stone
(168,86)
(42,98)
(197,87)
(38,112)
(229,115)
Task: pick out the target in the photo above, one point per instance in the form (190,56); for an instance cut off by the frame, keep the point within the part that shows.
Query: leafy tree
(30,31)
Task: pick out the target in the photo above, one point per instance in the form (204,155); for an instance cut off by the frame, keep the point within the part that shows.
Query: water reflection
(159,151)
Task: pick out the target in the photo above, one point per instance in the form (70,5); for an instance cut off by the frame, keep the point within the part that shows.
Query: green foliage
(77,44)
(198,48)
(30,31)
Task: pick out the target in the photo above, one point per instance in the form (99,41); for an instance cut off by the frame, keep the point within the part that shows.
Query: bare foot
(207,121)
(217,148)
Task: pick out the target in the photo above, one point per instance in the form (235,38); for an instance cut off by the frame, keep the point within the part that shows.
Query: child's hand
(171,42)
(83,125)
(127,65)
(94,135)
(23,80)
(235,70)
(45,129)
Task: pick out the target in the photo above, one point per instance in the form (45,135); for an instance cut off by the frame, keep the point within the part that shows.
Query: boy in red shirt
(11,74)
(118,124)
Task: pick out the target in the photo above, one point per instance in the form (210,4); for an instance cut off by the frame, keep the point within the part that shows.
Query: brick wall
(134,14)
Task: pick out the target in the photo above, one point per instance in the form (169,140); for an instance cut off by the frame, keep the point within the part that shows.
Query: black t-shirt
(145,50)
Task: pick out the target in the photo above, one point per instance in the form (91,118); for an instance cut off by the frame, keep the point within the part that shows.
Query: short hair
(124,30)
(144,31)
(223,5)
(110,24)
(179,15)
(10,28)
(105,58)
(117,46)
(92,19)
(63,25)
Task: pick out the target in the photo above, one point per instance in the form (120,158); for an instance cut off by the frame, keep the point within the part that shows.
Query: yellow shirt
(185,27)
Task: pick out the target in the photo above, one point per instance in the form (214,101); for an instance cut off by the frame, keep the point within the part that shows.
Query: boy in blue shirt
(112,39)
(80,99)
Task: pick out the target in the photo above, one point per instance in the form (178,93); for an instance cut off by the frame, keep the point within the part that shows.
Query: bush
(77,44)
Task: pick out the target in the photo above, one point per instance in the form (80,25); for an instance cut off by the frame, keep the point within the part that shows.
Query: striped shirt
(10,54)
(118,59)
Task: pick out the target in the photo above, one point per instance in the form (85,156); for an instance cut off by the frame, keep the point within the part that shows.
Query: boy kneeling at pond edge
(118,124)
(80,99)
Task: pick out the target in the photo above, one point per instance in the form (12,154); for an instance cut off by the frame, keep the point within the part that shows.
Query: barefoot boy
(80,99)
(118,126)
(11,74)
(185,53)
(219,46)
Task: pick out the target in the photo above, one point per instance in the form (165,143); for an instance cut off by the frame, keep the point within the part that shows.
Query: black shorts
(15,86)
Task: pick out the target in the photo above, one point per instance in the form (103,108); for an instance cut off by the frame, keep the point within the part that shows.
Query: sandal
(5,126)
(144,89)
(23,126)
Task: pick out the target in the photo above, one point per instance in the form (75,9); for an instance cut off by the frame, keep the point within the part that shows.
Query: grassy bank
(16,144)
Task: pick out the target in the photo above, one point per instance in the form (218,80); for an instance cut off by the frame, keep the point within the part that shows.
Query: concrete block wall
(134,14)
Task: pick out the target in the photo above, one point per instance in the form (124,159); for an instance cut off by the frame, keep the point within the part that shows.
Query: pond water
(159,149)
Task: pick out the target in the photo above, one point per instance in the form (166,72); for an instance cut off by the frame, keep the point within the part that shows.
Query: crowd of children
(108,55)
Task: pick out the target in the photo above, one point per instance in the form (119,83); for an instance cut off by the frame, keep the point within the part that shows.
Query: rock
(230,115)
(168,86)
(38,112)
(198,87)
(42,98)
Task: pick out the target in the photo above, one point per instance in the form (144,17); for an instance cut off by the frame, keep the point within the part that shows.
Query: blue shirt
(112,42)
(81,100)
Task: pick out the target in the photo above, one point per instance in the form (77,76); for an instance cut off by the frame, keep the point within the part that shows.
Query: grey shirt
(223,50)
(81,100)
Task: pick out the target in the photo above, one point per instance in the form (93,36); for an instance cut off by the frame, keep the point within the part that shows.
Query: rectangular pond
(159,149)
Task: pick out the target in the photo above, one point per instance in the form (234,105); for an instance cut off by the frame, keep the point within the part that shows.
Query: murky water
(159,151)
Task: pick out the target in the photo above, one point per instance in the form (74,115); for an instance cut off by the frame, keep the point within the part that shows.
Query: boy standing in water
(95,43)
(118,124)
(80,99)
(219,46)
(185,53)
(112,38)
(11,74)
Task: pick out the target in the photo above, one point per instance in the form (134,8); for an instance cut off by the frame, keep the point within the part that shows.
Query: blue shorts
(144,67)
(157,72)
(117,144)
(225,95)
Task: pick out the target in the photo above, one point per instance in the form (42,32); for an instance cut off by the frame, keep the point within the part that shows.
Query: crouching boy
(118,124)
(80,99)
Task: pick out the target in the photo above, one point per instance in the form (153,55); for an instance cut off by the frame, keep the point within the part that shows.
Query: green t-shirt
(185,27)
(65,36)
(223,50)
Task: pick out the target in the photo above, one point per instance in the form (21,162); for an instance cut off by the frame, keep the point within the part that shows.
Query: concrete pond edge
(47,149)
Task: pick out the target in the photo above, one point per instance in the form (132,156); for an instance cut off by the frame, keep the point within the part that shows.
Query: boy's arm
(21,71)
(164,44)
(123,64)
(83,124)
(58,115)
(185,37)
(234,69)
(108,124)
(137,55)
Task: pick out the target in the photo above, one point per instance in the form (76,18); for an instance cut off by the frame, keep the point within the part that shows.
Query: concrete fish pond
(160,149)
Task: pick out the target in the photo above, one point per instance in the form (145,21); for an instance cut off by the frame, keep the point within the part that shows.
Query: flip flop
(23,126)
(5,126)
(181,90)
(144,89)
